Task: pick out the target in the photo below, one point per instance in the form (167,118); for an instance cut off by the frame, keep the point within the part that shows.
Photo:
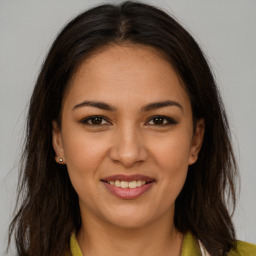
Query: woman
(128,149)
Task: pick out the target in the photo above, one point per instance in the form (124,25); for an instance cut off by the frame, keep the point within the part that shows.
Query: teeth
(132,184)
(127,184)
(117,183)
(124,184)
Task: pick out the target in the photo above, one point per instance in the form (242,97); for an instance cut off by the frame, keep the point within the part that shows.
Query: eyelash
(90,118)
(168,121)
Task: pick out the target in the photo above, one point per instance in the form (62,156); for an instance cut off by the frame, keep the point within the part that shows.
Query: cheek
(172,156)
(83,154)
(173,151)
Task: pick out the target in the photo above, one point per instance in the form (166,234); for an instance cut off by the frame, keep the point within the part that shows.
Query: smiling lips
(128,187)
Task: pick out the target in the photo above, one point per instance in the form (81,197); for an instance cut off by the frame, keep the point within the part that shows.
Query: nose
(128,147)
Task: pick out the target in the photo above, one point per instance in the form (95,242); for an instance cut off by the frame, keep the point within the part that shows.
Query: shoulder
(243,249)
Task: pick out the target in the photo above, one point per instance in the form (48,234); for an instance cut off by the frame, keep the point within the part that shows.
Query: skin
(127,141)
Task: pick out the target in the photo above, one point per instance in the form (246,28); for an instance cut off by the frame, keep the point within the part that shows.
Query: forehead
(124,73)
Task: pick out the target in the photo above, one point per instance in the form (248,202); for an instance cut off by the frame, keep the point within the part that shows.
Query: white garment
(203,250)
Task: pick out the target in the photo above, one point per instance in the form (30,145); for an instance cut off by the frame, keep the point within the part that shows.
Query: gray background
(226,31)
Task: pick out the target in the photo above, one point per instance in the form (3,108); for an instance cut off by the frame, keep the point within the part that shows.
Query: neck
(99,238)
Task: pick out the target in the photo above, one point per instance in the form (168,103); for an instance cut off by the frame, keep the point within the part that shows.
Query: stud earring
(61,160)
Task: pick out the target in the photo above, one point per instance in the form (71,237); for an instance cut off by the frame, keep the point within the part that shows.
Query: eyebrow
(146,108)
(95,104)
(161,104)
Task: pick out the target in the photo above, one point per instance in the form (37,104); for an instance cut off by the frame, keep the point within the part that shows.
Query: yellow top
(190,247)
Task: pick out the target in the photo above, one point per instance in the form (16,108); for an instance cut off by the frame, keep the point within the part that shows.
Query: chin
(129,217)
(129,223)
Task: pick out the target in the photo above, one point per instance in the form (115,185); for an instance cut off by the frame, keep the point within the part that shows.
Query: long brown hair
(48,210)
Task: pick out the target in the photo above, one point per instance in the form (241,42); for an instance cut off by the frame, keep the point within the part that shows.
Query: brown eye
(161,121)
(95,120)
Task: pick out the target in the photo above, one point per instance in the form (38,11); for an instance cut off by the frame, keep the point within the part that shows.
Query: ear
(57,143)
(197,141)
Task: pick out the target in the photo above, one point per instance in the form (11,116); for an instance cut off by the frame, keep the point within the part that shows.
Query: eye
(161,121)
(95,121)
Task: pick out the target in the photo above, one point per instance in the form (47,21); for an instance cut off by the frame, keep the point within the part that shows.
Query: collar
(190,246)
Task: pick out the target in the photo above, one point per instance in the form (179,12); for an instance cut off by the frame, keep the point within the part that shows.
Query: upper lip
(133,177)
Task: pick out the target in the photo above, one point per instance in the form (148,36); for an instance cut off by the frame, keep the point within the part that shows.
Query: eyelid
(171,121)
(84,120)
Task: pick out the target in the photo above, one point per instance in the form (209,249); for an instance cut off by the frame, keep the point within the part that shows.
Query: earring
(61,160)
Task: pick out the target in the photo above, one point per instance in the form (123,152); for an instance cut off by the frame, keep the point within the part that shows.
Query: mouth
(128,187)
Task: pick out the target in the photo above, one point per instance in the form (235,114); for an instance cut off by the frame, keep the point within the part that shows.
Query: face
(127,136)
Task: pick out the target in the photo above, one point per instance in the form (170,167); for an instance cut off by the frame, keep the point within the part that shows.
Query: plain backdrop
(225,30)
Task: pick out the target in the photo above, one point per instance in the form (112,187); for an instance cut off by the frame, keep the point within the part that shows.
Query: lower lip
(128,193)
